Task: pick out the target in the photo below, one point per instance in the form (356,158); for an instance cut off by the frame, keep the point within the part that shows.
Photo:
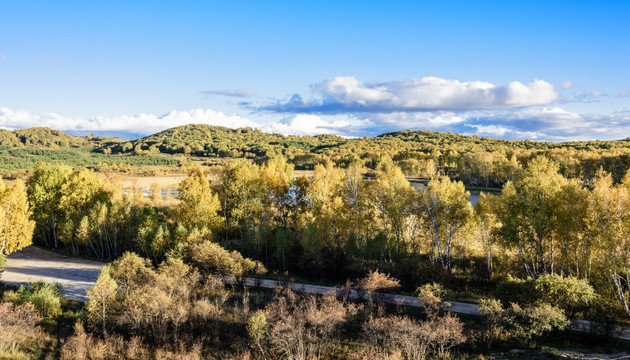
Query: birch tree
(610,214)
(529,214)
(445,208)
(44,193)
(16,227)
(198,204)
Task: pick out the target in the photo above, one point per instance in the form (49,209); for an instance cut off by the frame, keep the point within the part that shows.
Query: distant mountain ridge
(219,141)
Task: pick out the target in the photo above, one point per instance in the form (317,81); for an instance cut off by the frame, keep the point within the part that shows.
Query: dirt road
(33,264)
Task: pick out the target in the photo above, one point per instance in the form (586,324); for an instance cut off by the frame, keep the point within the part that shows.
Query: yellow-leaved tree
(16,227)
(100,300)
(198,205)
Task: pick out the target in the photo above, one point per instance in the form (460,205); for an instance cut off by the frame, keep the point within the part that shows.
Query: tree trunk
(617,280)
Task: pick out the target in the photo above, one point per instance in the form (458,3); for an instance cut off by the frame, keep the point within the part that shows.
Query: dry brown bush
(18,325)
(304,327)
(160,311)
(83,346)
(375,355)
(415,340)
(376,281)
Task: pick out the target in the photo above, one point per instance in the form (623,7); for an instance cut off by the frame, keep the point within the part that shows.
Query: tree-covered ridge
(217,141)
(43,137)
(477,161)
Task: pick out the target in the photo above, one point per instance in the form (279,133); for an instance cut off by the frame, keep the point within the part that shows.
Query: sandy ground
(33,264)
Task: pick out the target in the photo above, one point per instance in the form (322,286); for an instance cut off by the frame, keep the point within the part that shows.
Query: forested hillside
(476,161)
(43,137)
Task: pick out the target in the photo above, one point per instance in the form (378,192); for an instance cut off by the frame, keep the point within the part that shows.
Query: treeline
(475,160)
(338,224)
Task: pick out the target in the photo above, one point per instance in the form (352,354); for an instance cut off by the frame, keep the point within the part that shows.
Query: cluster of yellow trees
(340,223)
(16,227)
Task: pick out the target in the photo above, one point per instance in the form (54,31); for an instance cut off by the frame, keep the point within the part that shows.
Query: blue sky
(519,69)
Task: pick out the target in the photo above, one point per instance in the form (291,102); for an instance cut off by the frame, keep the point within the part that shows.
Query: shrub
(211,258)
(46,297)
(130,271)
(521,323)
(376,281)
(101,299)
(18,324)
(493,315)
(430,296)
(531,323)
(567,293)
(257,330)
(415,340)
(303,328)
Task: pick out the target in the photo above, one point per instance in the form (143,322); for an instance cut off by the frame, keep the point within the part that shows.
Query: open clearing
(33,264)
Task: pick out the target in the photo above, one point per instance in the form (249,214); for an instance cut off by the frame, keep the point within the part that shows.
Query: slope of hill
(43,137)
(22,149)
(476,160)
(217,141)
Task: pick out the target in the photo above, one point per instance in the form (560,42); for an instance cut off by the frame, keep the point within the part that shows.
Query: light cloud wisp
(231,92)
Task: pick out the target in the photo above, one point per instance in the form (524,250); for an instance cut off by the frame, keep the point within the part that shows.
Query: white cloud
(567,84)
(3,58)
(404,120)
(555,124)
(345,94)
(133,124)
(551,123)
(144,124)
(622,94)
(306,124)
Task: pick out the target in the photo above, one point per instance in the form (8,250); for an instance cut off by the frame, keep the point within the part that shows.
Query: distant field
(129,181)
(146,181)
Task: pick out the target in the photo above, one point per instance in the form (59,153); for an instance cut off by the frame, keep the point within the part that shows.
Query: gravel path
(33,264)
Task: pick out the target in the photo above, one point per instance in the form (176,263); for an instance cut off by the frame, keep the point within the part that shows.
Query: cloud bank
(145,124)
(346,94)
(550,123)
(554,124)
(348,107)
